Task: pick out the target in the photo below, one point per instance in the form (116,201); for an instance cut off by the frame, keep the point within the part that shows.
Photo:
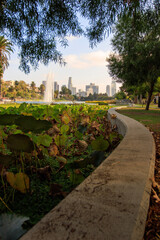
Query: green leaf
(100,144)
(78,135)
(112,136)
(61,140)
(20,143)
(29,123)
(76,178)
(23,107)
(64,129)
(44,140)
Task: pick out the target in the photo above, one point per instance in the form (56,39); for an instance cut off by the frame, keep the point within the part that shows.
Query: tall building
(81,93)
(70,83)
(89,91)
(108,90)
(70,86)
(73,91)
(56,86)
(93,87)
(113,88)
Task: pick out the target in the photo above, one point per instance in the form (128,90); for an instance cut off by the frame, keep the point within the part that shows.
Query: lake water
(60,102)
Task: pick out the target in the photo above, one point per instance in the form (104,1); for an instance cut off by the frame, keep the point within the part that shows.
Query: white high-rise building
(108,90)
(70,86)
(113,88)
(94,88)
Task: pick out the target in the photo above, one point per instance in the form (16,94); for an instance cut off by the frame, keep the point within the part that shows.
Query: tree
(5,49)
(42,89)
(136,43)
(65,90)
(37,26)
(56,92)
(33,85)
(120,95)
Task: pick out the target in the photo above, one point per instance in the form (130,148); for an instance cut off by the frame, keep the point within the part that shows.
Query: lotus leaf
(100,144)
(64,129)
(20,143)
(61,140)
(65,118)
(44,140)
(29,123)
(19,181)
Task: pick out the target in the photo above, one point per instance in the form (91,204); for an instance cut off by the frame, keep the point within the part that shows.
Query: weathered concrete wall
(112,203)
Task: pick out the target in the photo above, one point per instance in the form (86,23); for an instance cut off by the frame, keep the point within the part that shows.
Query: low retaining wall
(112,203)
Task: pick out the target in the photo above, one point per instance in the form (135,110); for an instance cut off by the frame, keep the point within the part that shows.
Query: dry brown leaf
(155,184)
(155,196)
(95,125)
(113,116)
(54,130)
(53,150)
(82,145)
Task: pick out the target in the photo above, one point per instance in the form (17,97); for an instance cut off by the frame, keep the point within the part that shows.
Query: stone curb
(112,203)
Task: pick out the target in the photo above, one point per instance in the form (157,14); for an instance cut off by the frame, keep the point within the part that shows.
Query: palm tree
(5,49)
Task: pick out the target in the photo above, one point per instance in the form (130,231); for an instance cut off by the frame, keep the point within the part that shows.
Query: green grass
(149,118)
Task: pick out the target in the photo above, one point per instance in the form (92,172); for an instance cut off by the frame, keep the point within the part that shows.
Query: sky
(84,64)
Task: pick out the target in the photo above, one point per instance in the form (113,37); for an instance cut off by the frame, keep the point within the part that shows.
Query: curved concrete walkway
(112,203)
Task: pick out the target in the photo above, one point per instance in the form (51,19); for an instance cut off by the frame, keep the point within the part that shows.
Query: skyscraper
(113,88)
(56,86)
(93,87)
(70,86)
(108,90)
(70,83)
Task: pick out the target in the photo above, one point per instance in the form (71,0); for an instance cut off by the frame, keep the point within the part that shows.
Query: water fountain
(48,94)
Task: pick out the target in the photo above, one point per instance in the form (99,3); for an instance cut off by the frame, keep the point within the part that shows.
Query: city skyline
(84,64)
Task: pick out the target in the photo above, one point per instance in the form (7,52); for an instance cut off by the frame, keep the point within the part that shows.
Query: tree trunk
(150,95)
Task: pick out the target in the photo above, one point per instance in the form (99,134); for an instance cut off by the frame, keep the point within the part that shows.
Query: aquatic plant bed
(46,151)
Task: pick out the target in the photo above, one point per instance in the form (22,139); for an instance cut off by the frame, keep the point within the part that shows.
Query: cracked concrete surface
(112,203)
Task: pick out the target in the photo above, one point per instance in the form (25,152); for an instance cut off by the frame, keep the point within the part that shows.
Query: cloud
(71,38)
(88,60)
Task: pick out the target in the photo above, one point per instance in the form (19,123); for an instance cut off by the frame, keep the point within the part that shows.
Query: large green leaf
(64,129)
(8,119)
(19,143)
(100,144)
(76,178)
(95,158)
(29,123)
(61,140)
(44,140)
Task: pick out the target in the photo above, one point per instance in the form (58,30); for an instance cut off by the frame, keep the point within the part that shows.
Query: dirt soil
(152,231)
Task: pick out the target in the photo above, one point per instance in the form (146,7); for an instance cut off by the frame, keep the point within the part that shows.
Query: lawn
(149,118)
